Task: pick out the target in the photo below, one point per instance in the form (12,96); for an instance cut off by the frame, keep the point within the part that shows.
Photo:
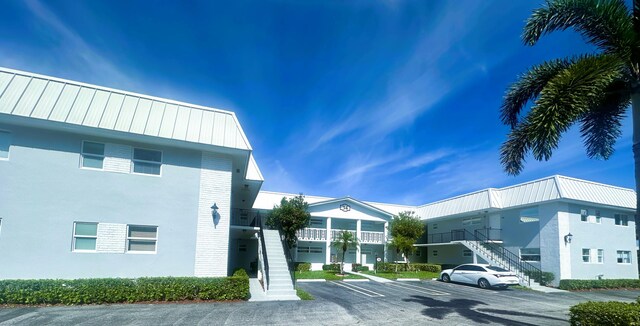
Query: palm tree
(343,241)
(593,90)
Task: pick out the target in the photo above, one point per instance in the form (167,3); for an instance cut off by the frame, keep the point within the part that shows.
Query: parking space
(339,303)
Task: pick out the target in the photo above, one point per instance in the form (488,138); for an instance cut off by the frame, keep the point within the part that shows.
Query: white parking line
(355,288)
(418,289)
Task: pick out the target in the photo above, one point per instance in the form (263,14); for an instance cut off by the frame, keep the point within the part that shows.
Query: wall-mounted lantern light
(214,213)
(568,238)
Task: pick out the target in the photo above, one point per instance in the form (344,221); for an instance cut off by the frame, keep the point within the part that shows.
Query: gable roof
(25,94)
(353,201)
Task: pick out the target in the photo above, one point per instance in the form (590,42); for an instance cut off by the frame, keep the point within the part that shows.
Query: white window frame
(133,161)
(588,255)
(618,252)
(74,237)
(83,154)
(435,226)
(10,135)
(623,218)
(600,256)
(434,253)
(315,221)
(472,221)
(136,252)
(598,215)
(531,255)
(584,215)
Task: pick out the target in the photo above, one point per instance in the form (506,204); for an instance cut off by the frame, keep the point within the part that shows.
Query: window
(310,250)
(600,256)
(530,254)
(624,257)
(141,238)
(418,252)
(497,269)
(435,226)
(92,155)
(598,217)
(584,215)
(5,144)
(242,247)
(435,252)
(621,219)
(85,236)
(316,222)
(586,255)
(146,161)
(472,221)
(467,253)
(529,215)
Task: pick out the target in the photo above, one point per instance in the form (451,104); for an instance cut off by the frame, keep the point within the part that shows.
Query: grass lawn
(393,276)
(326,275)
(303,295)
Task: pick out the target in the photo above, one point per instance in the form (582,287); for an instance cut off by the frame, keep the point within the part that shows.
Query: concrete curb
(356,280)
(312,280)
(373,278)
(408,280)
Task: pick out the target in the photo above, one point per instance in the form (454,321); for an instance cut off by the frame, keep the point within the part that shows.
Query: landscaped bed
(325,275)
(120,290)
(422,275)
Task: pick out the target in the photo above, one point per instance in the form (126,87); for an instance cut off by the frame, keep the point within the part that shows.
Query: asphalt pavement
(339,303)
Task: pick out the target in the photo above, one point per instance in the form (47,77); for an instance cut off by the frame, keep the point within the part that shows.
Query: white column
(386,239)
(328,242)
(358,230)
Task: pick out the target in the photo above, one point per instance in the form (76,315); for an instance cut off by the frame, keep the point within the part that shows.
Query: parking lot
(339,303)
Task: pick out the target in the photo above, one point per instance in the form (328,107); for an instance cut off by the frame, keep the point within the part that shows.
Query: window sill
(141,252)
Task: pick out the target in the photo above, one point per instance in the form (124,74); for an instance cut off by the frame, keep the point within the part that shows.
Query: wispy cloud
(75,49)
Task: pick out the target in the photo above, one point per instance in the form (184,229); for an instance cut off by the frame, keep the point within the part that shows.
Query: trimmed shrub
(117,290)
(544,279)
(303,267)
(362,269)
(605,313)
(240,272)
(573,285)
(331,267)
(393,267)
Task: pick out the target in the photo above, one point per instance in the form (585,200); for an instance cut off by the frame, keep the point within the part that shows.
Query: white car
(485,276)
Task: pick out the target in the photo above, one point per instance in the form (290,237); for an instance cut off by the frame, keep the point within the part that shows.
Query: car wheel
(445,278)
(483,283)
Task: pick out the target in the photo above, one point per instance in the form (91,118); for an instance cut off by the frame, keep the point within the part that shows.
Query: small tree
(292,215)
(343,241)
(405,230)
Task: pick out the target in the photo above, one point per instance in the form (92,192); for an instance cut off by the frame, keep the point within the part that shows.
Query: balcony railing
(312,234)
(462,234)
(371,237)
(334,233)
(243,217)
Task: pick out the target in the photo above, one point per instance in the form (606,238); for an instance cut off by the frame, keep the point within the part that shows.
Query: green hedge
(393,267)
(605,313)
(303,267)
(599,284)
(240,272)
(331,267)
(118,290)
(544,279)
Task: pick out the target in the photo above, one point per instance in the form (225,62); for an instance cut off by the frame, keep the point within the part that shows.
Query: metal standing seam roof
(53,99)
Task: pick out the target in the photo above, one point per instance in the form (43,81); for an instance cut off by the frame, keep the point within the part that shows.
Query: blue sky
(391,101)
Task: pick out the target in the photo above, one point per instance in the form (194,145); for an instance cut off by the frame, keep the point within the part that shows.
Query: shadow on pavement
(465,308)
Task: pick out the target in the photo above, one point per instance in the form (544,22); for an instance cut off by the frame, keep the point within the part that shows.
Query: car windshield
(496,269)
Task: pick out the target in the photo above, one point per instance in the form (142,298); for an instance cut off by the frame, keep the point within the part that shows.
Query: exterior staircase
(497,255)
(278,283)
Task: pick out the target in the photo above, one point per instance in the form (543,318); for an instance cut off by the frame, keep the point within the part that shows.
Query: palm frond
(601,125)
(604,23)
(564,99)
(528,87)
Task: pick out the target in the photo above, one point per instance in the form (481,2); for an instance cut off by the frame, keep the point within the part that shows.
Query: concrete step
(275,287)
(271,293)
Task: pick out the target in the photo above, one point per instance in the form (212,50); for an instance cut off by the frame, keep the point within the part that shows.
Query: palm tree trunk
(342,265)
(635,115)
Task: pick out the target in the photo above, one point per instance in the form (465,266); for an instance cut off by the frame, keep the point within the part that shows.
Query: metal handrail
(263,251)
(512,260)
(287,254)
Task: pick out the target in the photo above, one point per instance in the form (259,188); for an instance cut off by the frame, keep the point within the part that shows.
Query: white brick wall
(212,242)
(111,238)
(117,158)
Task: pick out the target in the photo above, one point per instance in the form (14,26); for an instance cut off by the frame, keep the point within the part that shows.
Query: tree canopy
(289,217)
(405,230)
